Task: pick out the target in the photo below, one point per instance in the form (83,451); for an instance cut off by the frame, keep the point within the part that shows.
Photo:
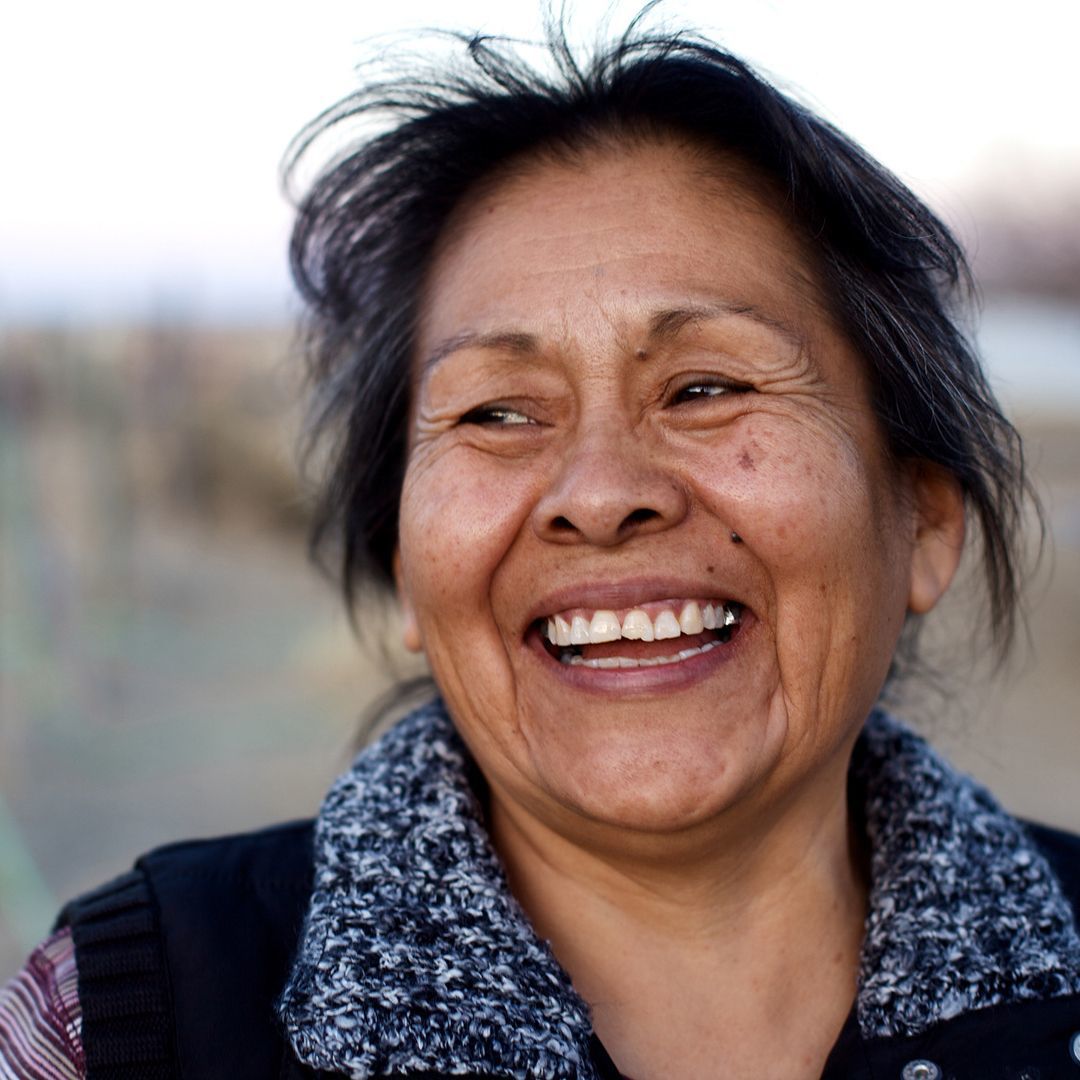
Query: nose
(608,488)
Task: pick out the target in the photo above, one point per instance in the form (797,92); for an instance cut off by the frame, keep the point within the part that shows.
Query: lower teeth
(577,660)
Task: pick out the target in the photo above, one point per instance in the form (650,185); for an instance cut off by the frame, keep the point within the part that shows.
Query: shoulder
(272,863)
(236,900)
(215,889)
(193,946)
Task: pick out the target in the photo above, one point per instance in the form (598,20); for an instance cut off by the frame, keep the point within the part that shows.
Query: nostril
(562,524)
(638,517)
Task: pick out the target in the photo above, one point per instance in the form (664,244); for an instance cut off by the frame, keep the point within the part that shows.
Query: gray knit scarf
(415,956)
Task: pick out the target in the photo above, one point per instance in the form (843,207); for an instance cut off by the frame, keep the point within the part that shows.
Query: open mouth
(660,632)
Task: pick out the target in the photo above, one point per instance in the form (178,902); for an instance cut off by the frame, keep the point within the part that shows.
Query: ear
(939,534)
(410,629)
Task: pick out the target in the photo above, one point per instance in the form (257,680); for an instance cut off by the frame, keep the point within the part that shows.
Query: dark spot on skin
(710,569)
(735,537)
(642,354)
(746,461)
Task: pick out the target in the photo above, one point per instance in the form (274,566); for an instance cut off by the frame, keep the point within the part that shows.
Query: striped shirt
(40,1017)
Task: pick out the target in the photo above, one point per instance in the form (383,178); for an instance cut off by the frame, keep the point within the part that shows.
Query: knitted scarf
(416,957)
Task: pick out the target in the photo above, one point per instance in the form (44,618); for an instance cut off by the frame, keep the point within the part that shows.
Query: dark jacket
(182,960)
(183,963)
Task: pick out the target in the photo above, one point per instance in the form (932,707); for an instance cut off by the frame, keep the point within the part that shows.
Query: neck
(773,898)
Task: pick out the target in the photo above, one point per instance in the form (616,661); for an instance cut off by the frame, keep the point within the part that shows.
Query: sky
(142,141)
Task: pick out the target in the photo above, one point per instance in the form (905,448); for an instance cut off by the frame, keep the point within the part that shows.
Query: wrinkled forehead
(556,243)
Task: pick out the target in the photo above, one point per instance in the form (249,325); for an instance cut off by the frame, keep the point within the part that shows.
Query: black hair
(366,230)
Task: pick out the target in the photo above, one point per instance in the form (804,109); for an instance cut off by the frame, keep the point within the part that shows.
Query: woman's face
(628,398)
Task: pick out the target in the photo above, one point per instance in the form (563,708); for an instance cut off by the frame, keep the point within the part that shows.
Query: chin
(652,781)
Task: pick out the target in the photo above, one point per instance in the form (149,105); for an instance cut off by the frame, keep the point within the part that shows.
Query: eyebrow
(664,325)
(506,341)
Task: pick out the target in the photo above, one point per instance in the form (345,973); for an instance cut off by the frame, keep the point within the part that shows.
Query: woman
(641,390)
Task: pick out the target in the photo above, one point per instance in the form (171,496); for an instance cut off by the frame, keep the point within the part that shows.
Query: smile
(583,638)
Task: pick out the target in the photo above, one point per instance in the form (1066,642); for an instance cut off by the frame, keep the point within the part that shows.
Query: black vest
(182,960)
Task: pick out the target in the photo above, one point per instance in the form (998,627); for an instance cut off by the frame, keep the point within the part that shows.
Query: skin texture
(623,359)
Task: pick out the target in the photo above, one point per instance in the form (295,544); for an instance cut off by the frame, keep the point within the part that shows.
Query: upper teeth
(637,625)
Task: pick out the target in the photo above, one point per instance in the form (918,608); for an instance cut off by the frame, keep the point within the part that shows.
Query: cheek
(456,525)
(798,498)
(818,517)
(816,511)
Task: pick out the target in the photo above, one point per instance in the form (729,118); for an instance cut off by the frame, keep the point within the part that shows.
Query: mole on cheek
(710,569)
(746,461)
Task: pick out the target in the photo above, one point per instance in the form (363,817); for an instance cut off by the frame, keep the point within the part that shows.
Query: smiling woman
(641,391)
(681,381)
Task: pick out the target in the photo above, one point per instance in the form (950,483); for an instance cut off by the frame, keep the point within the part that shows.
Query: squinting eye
(495,414)
(698,391)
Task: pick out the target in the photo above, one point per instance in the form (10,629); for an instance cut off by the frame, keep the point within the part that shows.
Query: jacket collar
(416,957)
(965,913)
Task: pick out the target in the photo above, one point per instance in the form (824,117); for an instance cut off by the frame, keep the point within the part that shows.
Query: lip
(665,679)
(628,593)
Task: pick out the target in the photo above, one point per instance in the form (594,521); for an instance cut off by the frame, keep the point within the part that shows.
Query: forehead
(564,250)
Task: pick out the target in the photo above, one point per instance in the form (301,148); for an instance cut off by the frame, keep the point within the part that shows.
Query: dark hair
(366,230)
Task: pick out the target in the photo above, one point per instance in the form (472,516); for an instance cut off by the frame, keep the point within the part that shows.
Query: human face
(628,396)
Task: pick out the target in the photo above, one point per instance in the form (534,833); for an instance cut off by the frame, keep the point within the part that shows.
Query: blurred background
(170,665)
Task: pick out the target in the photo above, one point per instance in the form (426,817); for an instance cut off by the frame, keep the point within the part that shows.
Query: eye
(703,389)
(495,414)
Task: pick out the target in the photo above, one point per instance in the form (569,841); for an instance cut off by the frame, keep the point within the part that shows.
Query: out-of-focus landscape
(171,665)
